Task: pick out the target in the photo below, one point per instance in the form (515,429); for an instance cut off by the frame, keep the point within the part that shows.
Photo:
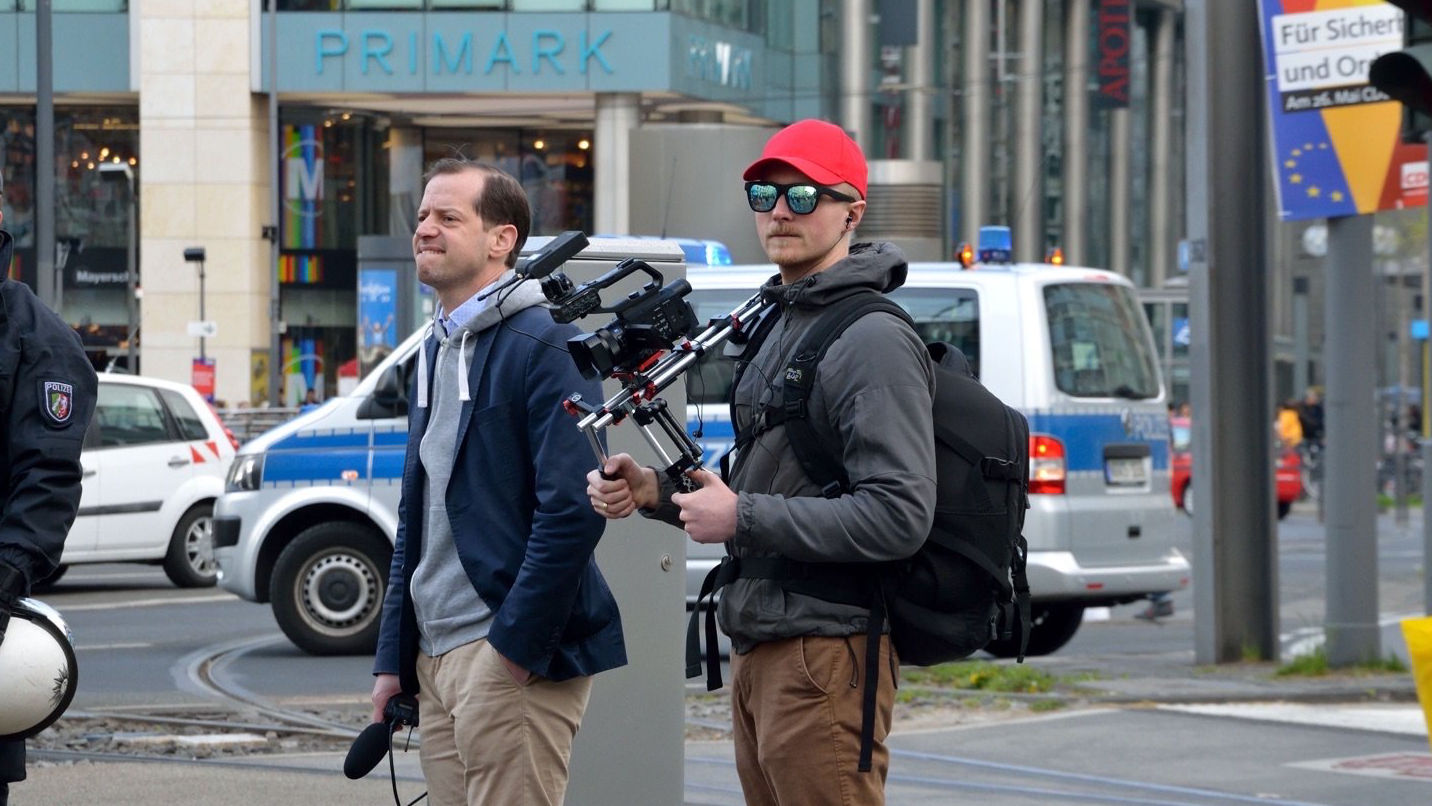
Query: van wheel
(1051,626)
(328,587)
(189,562)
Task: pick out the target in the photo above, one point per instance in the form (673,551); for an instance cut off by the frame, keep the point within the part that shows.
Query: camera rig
(650,342)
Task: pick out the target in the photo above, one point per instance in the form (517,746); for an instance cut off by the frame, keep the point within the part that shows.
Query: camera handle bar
(638,396)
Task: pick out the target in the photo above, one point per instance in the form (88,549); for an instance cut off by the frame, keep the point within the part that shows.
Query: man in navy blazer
(496,615)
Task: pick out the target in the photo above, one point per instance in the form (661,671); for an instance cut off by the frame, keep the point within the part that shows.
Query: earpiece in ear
(849,220)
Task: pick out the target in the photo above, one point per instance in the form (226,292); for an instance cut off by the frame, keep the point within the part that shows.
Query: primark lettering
(462,54)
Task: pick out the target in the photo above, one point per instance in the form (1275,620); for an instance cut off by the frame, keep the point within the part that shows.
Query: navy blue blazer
(522,524)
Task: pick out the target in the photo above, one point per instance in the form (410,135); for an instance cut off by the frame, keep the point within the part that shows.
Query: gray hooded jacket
(872,396)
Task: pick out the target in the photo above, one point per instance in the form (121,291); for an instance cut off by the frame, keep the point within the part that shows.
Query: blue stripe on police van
(1085,435)
(326,466)
(389,439)
(325,439)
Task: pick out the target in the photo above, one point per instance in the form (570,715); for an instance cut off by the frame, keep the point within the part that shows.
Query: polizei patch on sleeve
(58,402)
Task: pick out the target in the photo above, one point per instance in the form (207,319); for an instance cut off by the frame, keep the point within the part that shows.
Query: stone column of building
(204,155)
(617,113)
(1120,189)
(1076,128)
(919,130)
(856,62)
(1027,217)
(1161,166)
(405,179)
(974,146)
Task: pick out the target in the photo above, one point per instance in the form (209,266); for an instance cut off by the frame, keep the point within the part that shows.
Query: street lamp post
(195,254)
(120,172)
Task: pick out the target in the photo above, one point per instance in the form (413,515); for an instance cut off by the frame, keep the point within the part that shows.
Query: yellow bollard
(1418,634)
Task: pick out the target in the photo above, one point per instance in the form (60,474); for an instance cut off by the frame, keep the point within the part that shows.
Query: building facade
(618,117)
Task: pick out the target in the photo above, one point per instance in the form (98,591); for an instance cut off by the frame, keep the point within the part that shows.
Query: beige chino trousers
(487,740)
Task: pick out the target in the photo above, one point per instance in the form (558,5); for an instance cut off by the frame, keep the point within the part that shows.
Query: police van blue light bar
(996,245)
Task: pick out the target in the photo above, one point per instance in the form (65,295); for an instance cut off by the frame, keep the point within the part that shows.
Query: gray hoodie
(449,611)
(873,395)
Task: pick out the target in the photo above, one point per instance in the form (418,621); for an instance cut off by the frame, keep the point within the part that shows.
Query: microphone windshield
(367,750)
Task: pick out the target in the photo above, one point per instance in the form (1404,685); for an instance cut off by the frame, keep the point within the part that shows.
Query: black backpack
(966,585)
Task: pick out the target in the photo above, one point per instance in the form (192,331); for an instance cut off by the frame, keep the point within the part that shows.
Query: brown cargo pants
(795,710)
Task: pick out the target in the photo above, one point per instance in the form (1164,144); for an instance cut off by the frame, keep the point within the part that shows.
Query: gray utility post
(1235,575)
(195,254)
(1350,459)
(120,172)
(1426,314)
(48,281)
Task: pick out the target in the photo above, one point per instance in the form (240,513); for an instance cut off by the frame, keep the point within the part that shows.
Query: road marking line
(217,597)
(122,645)
(1401,719)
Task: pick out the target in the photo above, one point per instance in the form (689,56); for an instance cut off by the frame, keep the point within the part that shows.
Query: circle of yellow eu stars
(1291,163)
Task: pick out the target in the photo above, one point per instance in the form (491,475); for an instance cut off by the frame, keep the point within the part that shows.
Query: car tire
(189,562)
(328,587)
(1188,499)
(1284,507)
(1052,624)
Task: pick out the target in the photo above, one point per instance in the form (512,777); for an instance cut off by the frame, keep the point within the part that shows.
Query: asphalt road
(140,639)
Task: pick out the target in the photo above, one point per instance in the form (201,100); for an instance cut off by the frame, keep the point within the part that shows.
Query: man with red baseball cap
(801,663)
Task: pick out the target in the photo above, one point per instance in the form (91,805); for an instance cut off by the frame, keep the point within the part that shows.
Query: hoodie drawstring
(463,393)
(423,369)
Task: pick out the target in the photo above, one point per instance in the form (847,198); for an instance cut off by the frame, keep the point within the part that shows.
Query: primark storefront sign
(496,52)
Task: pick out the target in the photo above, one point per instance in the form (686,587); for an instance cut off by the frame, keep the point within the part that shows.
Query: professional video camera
(646,347)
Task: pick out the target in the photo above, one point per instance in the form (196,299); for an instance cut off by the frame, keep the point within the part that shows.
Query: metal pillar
(856,62)
(617,114)
(405,179)
(974,148)
(1076,128)
(1350,355)
(1161,173)
(276,326)
(1120,189)
(919,130)
(48,281)
(1027,217)
(1427,413)
(1301,348)
(1235,576)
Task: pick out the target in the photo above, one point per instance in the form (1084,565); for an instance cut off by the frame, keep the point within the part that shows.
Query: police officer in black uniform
(47,395)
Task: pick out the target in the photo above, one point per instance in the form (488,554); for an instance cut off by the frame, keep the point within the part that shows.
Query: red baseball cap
(820,150)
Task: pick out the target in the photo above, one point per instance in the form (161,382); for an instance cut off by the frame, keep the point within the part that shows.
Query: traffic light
(1406,74)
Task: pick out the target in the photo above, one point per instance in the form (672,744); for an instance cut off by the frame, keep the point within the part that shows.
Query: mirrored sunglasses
(801,198)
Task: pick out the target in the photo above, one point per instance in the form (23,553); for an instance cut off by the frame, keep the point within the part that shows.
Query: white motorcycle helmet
(38,673)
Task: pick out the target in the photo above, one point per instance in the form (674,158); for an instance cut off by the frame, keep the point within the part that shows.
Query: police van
(310,509)
(1072,350)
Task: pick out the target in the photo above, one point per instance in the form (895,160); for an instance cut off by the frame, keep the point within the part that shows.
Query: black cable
(393,773)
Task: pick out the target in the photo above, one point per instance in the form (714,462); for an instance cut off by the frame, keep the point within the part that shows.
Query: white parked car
(154,461)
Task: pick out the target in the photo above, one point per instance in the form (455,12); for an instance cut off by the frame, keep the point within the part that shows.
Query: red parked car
(1288,471)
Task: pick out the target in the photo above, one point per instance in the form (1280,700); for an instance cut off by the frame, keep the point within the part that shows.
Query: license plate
(1125,472)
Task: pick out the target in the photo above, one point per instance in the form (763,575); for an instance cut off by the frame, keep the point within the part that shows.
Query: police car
(153,463)
(1071,349)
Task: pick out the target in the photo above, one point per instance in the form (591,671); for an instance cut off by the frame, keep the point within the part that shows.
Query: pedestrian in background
(799,662)
(47,396)
(496,615)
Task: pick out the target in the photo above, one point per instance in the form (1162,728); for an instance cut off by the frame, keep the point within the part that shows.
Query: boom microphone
(368,749)
(559,250)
